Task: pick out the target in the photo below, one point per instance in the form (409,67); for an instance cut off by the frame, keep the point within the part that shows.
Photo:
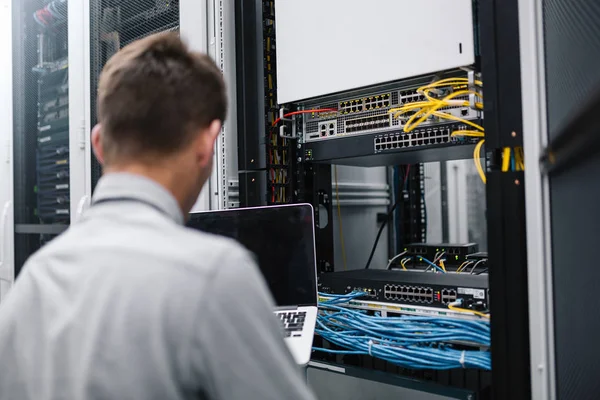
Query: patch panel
(365,104)
(351,106)
(416,294)
(420,137)
(367,123)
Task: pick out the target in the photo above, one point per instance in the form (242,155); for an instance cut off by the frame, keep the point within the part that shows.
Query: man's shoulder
(202,243)
(184,246)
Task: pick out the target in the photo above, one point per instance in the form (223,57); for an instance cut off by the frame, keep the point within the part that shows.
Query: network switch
(410,287)
(454,254)
(376,113)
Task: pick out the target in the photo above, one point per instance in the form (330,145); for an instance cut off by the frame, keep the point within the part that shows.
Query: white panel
(335,45)
(193,28)
(7,269)
(537,202)
(227,57)
(457,201)
(79,154)
(433,202)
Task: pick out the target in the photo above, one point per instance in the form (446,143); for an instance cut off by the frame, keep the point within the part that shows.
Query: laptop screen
(282,239)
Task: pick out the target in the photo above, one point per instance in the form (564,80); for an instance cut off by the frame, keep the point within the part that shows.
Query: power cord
(381,228)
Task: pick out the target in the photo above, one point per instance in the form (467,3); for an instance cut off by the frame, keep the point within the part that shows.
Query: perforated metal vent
(116,23)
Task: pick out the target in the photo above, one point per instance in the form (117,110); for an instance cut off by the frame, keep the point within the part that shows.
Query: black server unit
(41,123)
(113,25)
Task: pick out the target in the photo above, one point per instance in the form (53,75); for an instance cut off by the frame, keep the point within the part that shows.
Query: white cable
(395,258)
(371,345)
(462,359)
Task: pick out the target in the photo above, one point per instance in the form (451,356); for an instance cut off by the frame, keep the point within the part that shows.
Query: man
(128,303)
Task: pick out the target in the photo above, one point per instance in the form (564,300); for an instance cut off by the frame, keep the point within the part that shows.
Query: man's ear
(214,129)
(207,141)
(97,143)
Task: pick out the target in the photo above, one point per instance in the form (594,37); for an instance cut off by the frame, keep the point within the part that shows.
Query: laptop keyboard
(292,321)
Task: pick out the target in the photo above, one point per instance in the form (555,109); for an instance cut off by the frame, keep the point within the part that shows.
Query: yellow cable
(408,127)
(477,160)
(506,159)
(464,310)
(458,119)
(403,264)
(339,210)
(468,133)
(521,159)
(442,265)
(463,265)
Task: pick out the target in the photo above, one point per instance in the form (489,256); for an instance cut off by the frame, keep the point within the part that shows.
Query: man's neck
(166,177)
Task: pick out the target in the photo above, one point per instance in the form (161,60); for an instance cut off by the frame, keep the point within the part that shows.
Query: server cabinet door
(113,25)
(41,120)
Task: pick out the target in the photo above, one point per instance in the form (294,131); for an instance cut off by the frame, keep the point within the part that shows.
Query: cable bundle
(422,110)
(513,159)
(410,342)
(55,11)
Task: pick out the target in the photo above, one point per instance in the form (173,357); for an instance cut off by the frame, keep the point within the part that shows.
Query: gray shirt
(130,304)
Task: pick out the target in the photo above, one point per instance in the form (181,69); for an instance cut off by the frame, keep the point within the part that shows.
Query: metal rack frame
(499,37)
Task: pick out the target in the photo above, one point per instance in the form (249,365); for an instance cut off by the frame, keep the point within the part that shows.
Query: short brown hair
(154,94)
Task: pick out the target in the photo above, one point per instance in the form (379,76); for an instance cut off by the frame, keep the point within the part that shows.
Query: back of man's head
(154,98)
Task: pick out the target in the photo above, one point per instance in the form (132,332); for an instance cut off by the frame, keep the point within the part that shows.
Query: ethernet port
(331,132)
(378,141)
(359,108)
(420,143)
(388,146)
(353,108)
(464,112)
(331,126)
(394,145)
(438,140)
(445,140)
(419,135)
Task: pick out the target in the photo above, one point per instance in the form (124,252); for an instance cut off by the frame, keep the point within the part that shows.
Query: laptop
(283,240)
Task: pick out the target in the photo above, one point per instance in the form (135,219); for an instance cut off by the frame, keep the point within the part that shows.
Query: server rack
(499,37)
(41,123)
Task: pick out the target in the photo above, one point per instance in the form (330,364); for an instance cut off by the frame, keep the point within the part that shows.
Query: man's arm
(238,351)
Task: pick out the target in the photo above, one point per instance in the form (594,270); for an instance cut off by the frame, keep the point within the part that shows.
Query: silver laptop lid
(283,240)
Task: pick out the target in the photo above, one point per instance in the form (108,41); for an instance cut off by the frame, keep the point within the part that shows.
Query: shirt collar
(120,186)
